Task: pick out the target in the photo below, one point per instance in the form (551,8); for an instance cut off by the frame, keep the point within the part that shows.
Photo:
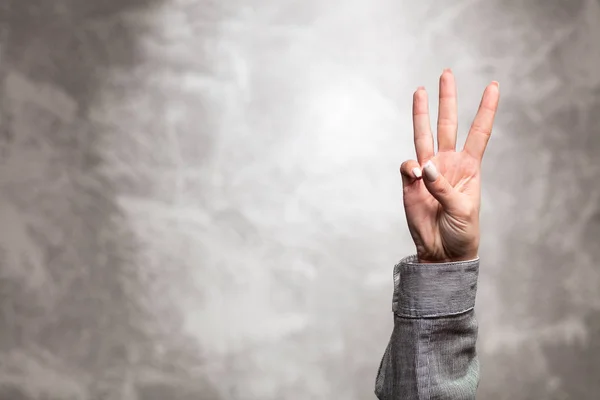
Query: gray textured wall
(201,199)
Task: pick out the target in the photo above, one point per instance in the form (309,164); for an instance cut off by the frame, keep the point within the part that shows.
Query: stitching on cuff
(412,314)
(415,302)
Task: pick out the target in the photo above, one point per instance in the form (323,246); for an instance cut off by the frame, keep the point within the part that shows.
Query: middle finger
(447,125)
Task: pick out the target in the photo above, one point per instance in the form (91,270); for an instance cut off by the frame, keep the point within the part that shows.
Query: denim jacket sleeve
(431,354)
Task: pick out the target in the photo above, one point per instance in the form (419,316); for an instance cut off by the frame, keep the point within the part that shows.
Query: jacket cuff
(434,290)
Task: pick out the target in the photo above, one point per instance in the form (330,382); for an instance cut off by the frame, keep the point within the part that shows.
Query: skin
(443,215)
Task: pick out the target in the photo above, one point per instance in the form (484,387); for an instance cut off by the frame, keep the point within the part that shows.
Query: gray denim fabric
(431,354)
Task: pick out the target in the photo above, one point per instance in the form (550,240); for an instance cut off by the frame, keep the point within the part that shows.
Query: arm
(431,354)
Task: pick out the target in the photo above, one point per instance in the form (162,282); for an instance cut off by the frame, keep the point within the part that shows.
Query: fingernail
(431,172)
(496,83)
(416,172)
(421,87)
(447,70)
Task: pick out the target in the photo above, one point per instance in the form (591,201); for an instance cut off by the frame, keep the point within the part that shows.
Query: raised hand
(442,191)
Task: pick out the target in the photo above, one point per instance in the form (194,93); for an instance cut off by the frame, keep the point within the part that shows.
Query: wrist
(440,260)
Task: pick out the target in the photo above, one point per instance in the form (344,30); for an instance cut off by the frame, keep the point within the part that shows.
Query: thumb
(438,186)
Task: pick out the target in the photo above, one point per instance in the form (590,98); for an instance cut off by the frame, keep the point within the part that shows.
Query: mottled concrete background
(200,199)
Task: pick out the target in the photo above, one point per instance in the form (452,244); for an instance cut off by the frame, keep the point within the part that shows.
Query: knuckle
(405,167)
(447,122)
(443,189)
(482,130)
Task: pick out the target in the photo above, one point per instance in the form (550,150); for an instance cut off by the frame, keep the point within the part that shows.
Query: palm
(438,226)
(443,218)
(458,168)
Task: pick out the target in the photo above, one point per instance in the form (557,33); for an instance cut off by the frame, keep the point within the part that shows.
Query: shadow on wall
(73,324)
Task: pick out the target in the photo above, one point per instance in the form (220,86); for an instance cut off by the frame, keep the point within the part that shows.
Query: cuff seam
(413,314)
(434,290)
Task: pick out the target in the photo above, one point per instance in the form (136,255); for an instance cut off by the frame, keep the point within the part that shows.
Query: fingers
(481,129)
(410,171)
(422,127)
(447,124)
(439,187)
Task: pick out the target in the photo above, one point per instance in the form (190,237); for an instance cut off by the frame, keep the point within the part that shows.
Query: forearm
(431,354)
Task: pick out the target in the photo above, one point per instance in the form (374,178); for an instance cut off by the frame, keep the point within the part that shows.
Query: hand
(442,199)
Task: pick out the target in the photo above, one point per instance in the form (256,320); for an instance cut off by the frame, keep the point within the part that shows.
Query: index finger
(422,126)
(481,129)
